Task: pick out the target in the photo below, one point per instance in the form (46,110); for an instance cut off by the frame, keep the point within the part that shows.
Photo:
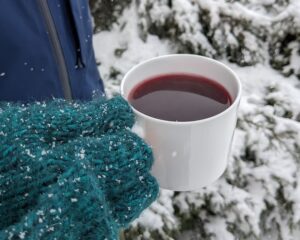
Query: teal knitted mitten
(71,170)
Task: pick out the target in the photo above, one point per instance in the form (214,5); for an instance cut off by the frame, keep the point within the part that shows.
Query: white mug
(187,155)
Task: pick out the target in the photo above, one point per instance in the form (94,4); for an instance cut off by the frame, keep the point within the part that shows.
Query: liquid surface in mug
(179,97)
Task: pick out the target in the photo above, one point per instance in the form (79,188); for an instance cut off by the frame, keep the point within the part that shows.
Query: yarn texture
(71,170)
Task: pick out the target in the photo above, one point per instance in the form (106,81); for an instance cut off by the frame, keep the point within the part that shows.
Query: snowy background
(259,195)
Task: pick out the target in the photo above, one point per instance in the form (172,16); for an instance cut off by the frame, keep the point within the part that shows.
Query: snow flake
(22,235)
(44,152)
(82,154)
(52,211)
(40,212)
(50,229)
(29,153)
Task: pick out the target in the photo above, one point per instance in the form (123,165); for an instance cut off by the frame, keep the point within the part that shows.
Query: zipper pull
(79,62)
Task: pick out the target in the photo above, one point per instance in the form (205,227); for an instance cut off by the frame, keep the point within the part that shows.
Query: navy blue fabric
(28,68)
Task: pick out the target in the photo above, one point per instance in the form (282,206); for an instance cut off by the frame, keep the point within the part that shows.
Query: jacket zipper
(61,64)
(79,58)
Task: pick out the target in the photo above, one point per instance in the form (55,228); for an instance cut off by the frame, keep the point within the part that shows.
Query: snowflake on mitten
(71,170)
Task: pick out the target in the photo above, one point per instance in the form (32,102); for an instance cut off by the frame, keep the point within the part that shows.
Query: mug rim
(235,102)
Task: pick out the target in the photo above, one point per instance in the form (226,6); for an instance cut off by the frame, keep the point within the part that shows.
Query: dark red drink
(180,97)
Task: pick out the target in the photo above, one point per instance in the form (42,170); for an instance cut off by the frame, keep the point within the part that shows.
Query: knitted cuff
(61,120)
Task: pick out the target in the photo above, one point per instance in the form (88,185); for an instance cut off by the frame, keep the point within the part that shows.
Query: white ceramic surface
(188,155)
